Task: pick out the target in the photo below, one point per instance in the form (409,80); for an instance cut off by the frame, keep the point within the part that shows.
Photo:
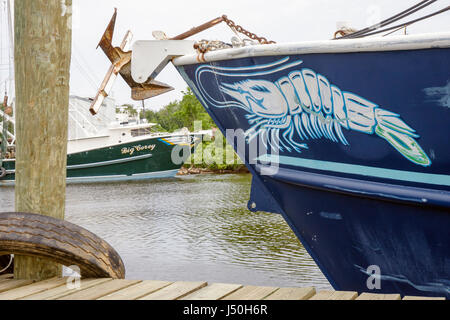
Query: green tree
(180,114)
(183,114)
(191,110)
(129,108)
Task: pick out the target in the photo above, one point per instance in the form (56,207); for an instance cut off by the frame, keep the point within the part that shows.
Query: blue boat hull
(347,234)
(361,171)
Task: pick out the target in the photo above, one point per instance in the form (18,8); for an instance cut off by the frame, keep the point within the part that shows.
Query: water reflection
(197,228)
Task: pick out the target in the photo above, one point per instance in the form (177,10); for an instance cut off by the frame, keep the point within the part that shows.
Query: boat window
(140,132)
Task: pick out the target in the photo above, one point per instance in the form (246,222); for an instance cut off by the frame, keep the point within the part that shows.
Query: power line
(406,24)
(364,32)
(83,73)
(86,64)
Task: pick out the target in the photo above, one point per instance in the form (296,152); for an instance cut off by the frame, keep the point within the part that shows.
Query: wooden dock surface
(108,289)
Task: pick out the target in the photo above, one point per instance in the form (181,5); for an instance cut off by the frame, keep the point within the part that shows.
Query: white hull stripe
(139,176)
(376,44)
(100,164)
(135,177)
(408,176)
(108,163)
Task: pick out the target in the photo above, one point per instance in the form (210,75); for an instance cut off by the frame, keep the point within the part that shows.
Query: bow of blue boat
(345,138)
(355,156)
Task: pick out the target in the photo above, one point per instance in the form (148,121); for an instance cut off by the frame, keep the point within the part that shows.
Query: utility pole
(43,36)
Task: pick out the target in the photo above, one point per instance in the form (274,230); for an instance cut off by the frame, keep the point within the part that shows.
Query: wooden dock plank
(375,296)
(335,295)
(62,291)
(215,291)
(6,276)
(33,288)
(5,280)
(292,294)
(322,295)
(175,291)
(100,290)
(137,291)
(251,293)
(109,289)
(423,298)
(13,284)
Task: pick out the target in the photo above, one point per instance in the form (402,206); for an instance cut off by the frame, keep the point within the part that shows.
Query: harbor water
(192,228)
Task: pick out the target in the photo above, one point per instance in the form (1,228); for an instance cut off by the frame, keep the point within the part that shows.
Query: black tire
(2,172)
(6,264)
(59,241)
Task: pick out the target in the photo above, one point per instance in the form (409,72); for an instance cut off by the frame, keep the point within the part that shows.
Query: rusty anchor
(121,64)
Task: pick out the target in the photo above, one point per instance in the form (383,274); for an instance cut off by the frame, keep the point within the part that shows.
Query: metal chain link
(240,29)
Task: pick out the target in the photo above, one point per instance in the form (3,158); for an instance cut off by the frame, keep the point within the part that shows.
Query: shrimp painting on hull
(304,105)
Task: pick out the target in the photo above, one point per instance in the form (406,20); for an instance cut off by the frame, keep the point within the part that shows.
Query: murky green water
(192,228)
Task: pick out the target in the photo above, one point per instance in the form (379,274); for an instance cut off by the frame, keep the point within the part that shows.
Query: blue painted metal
(363,172)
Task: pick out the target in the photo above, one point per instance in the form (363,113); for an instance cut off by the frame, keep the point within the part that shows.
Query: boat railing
(7,124)
(81,120)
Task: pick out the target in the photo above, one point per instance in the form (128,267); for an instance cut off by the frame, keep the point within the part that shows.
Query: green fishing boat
(102,150)
(103,145)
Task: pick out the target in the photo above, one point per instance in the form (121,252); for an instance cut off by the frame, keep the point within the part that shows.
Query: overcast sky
(280,20)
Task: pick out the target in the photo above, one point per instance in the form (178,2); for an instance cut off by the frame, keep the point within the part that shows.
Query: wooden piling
(42,61)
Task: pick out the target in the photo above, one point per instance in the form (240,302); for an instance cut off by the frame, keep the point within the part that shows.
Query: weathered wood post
(43,39)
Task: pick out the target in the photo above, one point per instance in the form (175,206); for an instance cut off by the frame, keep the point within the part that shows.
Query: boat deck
(108,289)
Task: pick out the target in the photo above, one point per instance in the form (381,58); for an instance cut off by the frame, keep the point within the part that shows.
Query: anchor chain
(245,32)
(205,46)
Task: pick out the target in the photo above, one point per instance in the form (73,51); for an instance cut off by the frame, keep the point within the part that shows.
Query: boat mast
(11,53)
(4,102)
(8,111)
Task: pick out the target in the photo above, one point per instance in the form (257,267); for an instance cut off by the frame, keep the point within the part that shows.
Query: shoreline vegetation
(214,155)
(187,171)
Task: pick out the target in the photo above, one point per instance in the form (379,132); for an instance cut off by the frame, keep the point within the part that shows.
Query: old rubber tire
(6,266)
(2,172)
(60,241)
